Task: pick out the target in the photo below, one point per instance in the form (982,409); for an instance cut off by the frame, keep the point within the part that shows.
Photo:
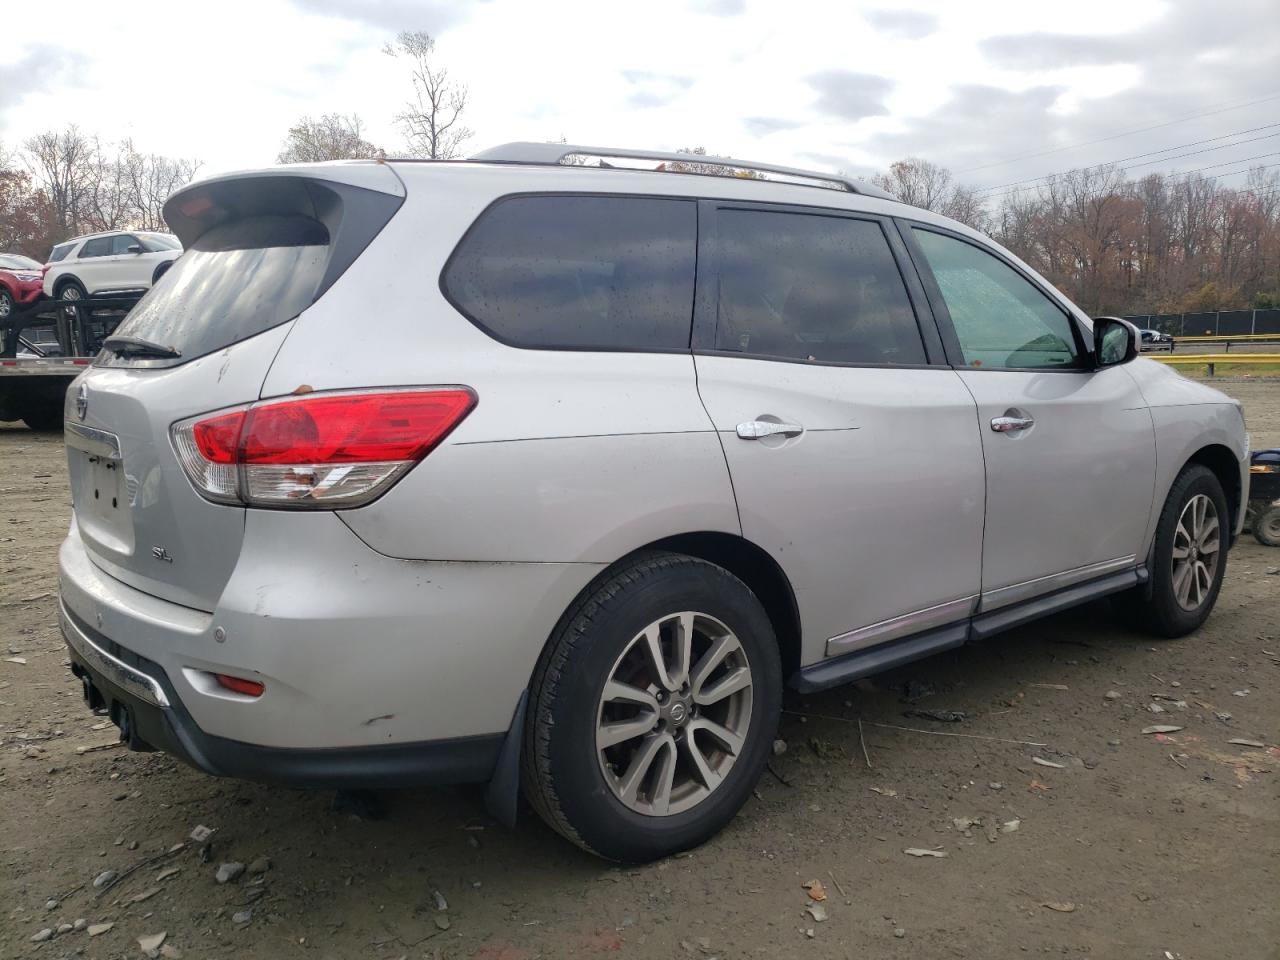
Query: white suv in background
(109,263)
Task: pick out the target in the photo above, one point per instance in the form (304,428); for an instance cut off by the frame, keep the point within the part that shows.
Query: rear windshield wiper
(137,347)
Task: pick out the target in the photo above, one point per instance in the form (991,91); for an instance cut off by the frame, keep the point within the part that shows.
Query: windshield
(237,280)
(154,242)
(12,261)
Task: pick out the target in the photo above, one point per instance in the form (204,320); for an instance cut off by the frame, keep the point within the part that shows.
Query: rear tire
(6,304)
(633,768)
(1188,561)
(44,418)
(1266,526)
(71,290)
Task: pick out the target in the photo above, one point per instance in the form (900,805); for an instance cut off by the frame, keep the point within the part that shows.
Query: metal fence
(1221,324)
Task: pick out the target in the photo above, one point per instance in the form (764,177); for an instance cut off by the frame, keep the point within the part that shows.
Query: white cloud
(223,81)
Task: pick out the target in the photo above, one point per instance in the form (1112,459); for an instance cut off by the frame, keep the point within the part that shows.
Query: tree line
(1163,243)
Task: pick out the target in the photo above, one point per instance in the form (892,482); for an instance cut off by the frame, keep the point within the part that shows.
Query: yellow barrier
(1220,338)
(1190,359)
(1209,359)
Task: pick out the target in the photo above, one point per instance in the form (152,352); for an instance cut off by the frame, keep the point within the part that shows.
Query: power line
(1149,153)
(1126,133)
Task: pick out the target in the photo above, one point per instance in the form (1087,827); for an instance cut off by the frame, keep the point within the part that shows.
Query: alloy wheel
(1197,544)
(674,714)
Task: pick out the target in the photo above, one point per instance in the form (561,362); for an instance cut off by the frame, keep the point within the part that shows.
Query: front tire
(653,710)
(1188,561)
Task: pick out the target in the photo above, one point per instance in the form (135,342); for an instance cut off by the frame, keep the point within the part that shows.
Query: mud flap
(502,798)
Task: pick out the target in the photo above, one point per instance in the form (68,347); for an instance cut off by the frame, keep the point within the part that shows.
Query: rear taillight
(316,451)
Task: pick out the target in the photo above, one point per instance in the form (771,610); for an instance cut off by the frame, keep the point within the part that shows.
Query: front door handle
(759,429)
(1010,424)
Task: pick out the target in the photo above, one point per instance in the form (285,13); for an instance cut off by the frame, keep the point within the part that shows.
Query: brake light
(318,451)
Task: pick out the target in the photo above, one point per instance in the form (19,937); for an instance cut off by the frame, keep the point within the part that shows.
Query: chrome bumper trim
(129,678)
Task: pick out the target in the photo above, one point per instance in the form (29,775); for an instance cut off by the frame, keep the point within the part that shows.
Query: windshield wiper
(137,347)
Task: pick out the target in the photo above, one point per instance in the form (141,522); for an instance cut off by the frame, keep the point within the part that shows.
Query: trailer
(44,348)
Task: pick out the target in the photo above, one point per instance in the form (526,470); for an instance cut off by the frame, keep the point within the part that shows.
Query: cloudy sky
(998,91)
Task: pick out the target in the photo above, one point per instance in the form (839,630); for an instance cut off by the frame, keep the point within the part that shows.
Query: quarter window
(812,287)
(581,273)
(1001,319)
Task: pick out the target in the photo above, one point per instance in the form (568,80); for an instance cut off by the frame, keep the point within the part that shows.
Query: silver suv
(552,476)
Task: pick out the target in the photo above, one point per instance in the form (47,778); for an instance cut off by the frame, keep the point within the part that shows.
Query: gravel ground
(1065,829)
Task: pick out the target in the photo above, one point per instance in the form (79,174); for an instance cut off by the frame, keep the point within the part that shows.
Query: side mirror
(1115,341)
(135,248)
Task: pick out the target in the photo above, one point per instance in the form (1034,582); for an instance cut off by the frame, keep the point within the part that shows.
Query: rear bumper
(376,671)
(141,701)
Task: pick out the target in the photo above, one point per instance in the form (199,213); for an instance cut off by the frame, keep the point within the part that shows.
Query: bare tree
(334,136)
(106,194)
(929,186)
(90,184)
(917,182)
(60,164)
(432,120)
(149,179)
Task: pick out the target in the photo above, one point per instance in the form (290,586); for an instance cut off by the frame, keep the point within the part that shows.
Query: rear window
(235,281)
(802,286)
(579,273)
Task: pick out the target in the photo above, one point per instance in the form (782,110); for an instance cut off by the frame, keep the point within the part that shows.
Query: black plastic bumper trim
(171,729)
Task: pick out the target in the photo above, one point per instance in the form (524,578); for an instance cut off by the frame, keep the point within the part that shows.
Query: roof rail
(555,153)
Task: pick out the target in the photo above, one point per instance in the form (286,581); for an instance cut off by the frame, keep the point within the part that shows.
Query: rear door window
(237,280)
(809,287)
(121,244)
(97,247)
(579,273)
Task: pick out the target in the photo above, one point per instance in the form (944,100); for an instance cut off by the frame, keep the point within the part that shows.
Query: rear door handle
(1008,424)
(759,429)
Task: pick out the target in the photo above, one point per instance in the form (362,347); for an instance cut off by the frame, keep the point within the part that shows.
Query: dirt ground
(1094,839)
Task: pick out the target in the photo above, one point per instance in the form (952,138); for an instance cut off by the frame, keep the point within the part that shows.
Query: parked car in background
(1156,340)
(106,263)
(20,282)
(1264,497)
(650,448)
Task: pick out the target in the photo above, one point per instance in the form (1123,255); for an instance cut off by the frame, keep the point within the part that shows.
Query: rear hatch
(259,249)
